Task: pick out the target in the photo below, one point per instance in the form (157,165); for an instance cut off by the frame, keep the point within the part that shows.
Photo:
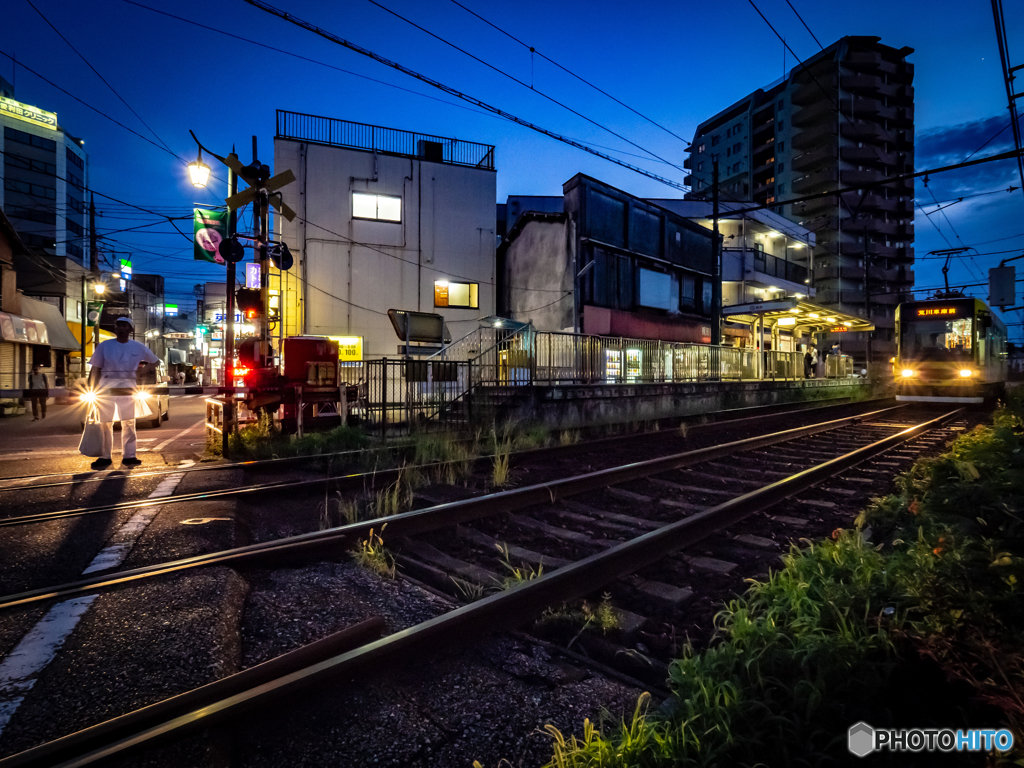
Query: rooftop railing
(375,138)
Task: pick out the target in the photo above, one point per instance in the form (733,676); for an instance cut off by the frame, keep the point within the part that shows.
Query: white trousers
(127,438)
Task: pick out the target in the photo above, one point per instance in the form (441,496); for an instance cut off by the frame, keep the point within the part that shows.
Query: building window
(700,166)
(782,125)
(715,140)
(74,159)
(780,167)
(13,134)
(376,207)
(782,146)
(700,149)
(781,104)
(736,148)
(780,189)
(458,295)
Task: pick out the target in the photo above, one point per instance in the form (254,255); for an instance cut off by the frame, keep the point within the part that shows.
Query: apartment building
(843,119)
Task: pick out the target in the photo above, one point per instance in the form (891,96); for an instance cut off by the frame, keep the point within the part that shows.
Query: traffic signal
(249,303)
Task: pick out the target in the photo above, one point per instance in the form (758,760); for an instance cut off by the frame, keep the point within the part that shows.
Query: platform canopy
(797,315)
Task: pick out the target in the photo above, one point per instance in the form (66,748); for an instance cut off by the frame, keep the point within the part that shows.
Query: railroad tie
(757,542)
(434,556)
(635,522)
(624,495)
(551,530)
(691,488)
(795,522)
(514,552)
(711,564)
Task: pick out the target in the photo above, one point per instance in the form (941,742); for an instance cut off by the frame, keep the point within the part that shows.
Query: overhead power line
(454,92)
(794,10)
(515,79)
(569,72)
(96,72)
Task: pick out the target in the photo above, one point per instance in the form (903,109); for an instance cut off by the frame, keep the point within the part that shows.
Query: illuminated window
(458,295)
(377,207)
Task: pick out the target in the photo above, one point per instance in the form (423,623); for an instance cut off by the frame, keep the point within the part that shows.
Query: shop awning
(23,330)
(76,329)
(57,328)
(797,315)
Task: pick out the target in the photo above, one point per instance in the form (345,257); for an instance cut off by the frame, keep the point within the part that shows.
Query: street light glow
(199,172)
(99,287)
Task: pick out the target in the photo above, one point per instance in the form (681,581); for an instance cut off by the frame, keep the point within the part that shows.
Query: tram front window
(943,340)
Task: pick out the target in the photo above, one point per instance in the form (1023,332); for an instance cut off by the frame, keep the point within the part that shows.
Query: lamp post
(99,288)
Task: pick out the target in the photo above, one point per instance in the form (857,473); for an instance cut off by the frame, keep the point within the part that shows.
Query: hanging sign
(252,275)
(210,229)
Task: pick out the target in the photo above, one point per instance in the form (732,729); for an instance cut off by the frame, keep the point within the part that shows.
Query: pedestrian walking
(808,363)
(38,392)
(199,376)
(115,364)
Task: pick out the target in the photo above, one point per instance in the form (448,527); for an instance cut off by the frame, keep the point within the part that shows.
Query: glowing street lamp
(199,171)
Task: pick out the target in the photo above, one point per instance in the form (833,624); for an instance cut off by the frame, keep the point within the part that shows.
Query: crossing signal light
(250,303)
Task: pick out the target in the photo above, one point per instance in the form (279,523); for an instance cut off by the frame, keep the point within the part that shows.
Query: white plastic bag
(92,436)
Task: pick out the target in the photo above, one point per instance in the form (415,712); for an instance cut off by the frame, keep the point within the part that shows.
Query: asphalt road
(51,444)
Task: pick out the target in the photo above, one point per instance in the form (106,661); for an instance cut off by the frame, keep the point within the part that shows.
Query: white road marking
(183,432)
(20,669)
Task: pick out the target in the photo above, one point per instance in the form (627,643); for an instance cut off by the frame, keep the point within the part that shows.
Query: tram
(949,351)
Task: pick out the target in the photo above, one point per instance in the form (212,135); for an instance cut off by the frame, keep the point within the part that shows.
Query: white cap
(125,320)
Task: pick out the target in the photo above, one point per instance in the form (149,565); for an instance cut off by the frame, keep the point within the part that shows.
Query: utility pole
(716,261)
(93,261)
(229,325)
(261,209)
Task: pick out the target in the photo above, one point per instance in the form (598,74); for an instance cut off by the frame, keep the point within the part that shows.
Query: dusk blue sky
(665,60)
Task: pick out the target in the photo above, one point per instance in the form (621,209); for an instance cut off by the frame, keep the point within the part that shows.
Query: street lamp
(99,287)
(199,171)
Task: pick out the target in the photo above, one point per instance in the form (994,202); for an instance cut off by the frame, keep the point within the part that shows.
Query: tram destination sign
(939,311)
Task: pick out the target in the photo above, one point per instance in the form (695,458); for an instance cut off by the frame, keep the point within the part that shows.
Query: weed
(470,591)
(372,555)
(453,458)
(501,462)
(568,437)
(517,574)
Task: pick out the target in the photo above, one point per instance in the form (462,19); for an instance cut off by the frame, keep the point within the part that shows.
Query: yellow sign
(350,348)
(27,113)
(936,311)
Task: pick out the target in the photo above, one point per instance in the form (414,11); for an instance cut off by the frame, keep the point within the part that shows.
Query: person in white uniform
(115,364)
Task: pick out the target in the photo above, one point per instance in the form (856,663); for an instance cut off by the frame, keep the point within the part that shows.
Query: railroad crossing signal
(258,177)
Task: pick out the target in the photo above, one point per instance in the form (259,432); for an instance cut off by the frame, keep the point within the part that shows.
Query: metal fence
(344,133)
(472,379)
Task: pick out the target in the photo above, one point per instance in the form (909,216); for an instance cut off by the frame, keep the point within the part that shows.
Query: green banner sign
(93,312)
(210,228)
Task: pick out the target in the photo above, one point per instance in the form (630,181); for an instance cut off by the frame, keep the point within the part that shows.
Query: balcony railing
(374,138)
(773,266)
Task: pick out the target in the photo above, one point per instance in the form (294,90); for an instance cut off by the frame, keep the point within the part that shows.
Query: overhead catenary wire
(569,72)
(458,94)
(105,82)
(515,79)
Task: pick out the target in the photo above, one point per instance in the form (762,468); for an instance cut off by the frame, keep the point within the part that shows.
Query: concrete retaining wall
(570,407)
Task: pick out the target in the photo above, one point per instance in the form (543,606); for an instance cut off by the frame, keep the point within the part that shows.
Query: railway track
(589,531)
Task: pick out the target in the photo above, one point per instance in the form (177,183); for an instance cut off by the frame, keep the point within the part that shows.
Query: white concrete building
(386,219)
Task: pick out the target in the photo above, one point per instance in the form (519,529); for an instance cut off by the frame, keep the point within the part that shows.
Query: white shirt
(119,362)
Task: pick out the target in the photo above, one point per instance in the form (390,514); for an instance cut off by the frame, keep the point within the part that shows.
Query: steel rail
(347,482)
(430,518)
(718,418)
(500,612)
(67,747)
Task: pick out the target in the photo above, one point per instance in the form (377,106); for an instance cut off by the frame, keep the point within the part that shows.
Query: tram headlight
(966,372)
(88,397)
(906,373)
(141,395)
